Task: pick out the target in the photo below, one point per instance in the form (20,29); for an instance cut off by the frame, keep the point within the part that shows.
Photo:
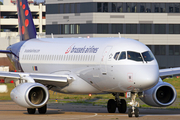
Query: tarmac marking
(84,116)
(144,115)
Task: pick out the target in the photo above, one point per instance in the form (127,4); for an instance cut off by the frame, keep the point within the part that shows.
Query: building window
(102,28)
(160,50)
(148,7)
(156,7)
(60,8)
(105,7)
(174,29)
(66,8)
(116,28)
(162,7)
(174,49)
(131,28)
(142,7)
(61,29)
(159,7)
(145,28)
(102,7)
(71,8)
(78,29)
(113,7)
(72,29)
(160,28)
(145,7)
(177,7)
(131,7)
(99,7)
(171,7)
(77,8)
(117,7)
(66,29)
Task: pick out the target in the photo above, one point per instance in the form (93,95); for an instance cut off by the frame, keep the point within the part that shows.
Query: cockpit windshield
(122,56)
(147,56)
(116,55)
(134,56)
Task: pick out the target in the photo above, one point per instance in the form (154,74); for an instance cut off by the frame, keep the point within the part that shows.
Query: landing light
(90,95)
(88,36)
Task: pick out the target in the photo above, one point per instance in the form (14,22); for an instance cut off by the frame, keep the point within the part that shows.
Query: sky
(34,0)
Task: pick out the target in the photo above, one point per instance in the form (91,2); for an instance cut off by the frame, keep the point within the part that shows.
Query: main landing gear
(41,110)
(117,103)
(133,110)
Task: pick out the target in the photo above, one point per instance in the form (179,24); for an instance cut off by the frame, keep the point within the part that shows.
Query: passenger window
(116,55)
(134,56)
(122,56)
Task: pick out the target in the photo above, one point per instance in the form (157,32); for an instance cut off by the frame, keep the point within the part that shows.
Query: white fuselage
(92,61)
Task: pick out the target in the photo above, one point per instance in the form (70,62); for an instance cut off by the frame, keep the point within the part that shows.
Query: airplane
(118,66)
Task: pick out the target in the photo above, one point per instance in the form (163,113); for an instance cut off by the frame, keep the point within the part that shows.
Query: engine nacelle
(30,95)
(161,95)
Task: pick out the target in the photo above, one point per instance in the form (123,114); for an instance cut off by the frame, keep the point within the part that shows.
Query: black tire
(136,112)
(130,112)
(31,110)
(43,109)
(111,106)
(123,106)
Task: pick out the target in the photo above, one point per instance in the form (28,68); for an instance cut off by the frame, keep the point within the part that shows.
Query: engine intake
(164,94)
(30,95)
(36,95)
(161,95)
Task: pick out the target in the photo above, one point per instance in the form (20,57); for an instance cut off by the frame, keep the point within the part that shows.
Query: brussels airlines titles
(90,49)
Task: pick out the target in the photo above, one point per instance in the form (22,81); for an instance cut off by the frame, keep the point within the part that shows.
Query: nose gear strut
(134,110)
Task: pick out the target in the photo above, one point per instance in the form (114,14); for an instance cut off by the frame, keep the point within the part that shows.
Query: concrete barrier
(3,89)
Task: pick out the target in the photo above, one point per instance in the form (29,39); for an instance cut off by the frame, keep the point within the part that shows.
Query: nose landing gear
(134,110)
(117,103)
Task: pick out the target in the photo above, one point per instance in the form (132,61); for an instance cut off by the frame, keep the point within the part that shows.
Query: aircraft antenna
(52,35)
(119,34)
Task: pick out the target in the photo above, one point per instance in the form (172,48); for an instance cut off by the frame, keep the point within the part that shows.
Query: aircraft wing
(163,73)
(46,79)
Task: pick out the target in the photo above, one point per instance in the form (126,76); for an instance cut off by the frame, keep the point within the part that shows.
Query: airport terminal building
(9,24)
(155,23)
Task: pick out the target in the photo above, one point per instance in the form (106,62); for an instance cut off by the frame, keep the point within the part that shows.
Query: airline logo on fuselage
(74,49)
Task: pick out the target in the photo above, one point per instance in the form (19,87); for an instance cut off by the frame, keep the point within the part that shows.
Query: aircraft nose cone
(148,78)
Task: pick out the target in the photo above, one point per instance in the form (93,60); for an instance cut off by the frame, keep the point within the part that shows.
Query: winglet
(26,25)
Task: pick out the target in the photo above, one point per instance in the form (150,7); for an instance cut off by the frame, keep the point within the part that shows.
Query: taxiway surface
(58,111)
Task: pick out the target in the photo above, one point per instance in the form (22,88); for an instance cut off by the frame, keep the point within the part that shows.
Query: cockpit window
(147,56)
(122,56)
(116,55)
(134,56)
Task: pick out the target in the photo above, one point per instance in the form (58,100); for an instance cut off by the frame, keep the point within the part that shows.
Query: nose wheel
(136,112)
(133,110)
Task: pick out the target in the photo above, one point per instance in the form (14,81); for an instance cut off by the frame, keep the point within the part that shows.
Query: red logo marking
(24,6)
(69,49)
(26,13)
(26,22)
(20,3)
(23,30)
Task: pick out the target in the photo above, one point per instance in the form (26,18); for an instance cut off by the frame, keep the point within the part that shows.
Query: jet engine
(161,95)
(30,95)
